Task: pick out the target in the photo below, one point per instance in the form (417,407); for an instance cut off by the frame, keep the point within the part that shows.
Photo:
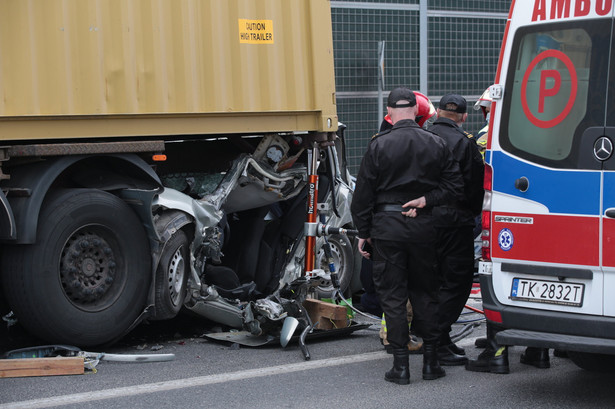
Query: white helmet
(484,102)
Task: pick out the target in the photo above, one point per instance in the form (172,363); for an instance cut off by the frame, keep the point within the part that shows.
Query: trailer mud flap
(7,219)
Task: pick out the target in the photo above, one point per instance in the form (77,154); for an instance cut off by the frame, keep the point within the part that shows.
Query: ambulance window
(555,71)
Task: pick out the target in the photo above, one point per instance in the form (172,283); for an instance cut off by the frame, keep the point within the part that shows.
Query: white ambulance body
(548,269)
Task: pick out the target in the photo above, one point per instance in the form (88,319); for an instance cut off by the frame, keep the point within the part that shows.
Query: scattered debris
(327,315)
(64,359)
(44,351)
(21,367)
(131,357)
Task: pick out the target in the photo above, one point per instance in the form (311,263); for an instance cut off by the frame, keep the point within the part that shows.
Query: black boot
(538,357)
(448,356)
(493,359)
(431,366)
(446,342)
(560,353)
(490,360)
(400,373)
(481,343)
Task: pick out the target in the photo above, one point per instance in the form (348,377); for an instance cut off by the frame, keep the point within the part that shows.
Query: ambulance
(548,241)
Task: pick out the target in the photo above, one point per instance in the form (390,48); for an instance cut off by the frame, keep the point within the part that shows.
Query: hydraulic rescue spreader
(311,275)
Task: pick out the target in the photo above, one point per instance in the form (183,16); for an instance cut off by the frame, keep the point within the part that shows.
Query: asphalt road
(343,372)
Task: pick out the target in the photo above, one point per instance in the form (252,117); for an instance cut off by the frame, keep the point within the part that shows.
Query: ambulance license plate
(550,292)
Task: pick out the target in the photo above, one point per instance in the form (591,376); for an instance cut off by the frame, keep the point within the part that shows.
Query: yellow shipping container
(99,68)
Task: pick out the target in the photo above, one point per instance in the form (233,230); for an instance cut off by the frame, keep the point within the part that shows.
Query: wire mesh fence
(432,46)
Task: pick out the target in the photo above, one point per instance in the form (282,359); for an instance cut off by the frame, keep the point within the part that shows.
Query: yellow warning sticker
(255,31)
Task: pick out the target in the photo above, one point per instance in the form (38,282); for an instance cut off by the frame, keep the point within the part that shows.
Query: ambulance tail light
(488,179)
(486,236)
(493,316)
(486,215)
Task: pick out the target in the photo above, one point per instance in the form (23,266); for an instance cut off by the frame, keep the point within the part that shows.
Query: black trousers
(407,270)
(456,263)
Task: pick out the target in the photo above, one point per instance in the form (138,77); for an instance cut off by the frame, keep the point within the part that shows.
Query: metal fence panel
(462,48)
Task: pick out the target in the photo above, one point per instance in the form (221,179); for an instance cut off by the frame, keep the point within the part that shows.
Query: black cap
(459,102)
(401,94)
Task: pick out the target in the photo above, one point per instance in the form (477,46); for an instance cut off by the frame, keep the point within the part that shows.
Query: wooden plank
(13,368)
(327,315)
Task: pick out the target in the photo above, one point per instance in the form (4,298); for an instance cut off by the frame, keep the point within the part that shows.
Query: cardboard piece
(327,315)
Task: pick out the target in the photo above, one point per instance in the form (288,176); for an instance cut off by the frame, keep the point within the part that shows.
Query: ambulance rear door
(608,204)
(548,193)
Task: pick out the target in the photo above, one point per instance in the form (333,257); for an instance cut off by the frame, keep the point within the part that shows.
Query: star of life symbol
(505,239)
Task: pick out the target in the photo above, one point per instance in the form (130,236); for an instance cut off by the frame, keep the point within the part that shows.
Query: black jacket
(466,153)
(401,164)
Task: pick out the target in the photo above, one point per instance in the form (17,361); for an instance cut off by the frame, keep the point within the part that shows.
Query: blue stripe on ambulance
(561,191)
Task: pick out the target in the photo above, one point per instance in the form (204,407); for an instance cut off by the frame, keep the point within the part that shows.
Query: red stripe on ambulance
(608,242)
(549,239)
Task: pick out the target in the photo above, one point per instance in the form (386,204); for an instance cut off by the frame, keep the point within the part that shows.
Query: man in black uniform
(455,223)
(404,173)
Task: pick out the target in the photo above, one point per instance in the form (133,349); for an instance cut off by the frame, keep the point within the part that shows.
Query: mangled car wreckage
(247,267)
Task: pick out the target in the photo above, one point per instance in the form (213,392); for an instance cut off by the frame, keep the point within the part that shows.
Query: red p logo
(545,92)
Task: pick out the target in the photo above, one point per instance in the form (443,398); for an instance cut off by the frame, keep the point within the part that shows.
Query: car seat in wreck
(255,251)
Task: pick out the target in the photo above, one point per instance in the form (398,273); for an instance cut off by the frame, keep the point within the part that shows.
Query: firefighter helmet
(484,102)
(425,110)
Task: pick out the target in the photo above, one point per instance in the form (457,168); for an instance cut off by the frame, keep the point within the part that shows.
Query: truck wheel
(172,275)
(593,362)
(85,280)
(343,257)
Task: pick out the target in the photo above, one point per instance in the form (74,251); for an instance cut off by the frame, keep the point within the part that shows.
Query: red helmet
(425,109)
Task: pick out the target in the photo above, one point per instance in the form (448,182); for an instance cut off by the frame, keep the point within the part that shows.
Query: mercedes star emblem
(603,148)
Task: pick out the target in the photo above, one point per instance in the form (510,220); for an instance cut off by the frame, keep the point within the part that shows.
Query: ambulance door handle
(610,213)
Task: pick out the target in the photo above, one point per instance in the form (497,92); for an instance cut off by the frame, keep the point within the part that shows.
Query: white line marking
(191,382)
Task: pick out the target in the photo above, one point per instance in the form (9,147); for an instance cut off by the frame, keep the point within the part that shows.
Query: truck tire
(343,258)
(86,279)
(593,362)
